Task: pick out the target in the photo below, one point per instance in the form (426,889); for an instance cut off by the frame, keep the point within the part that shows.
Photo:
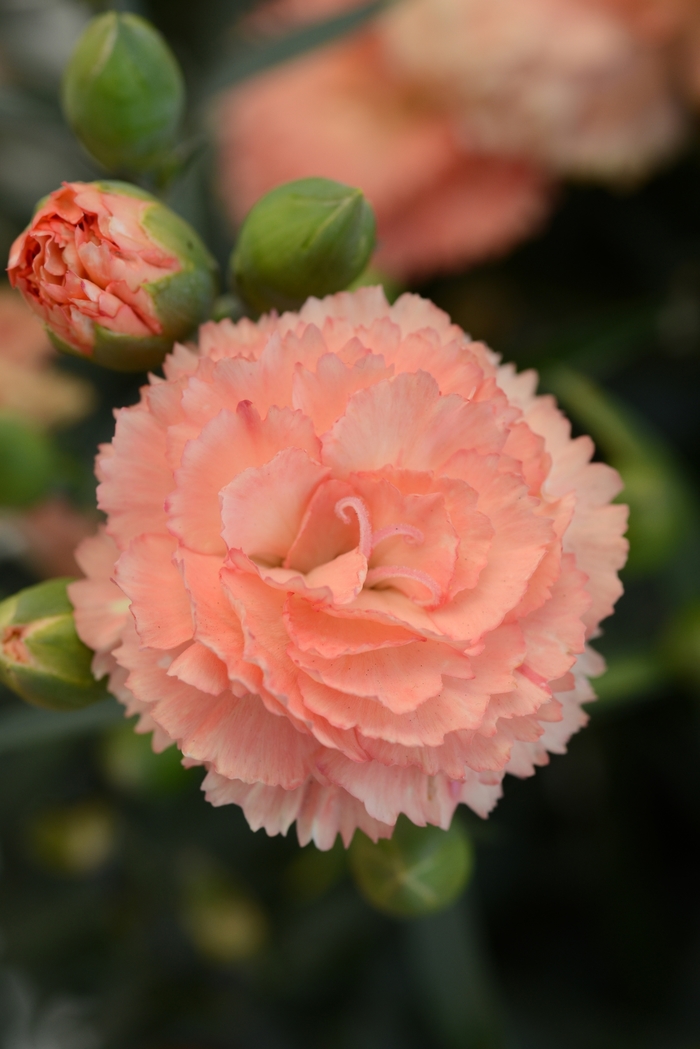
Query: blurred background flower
(29,385)
(455,116)
(34,393)
(27,1024)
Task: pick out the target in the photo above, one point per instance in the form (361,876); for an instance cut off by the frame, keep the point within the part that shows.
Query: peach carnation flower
(350,566)
(341,113)
(85,264)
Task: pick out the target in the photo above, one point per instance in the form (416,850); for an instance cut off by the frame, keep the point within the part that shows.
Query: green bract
(42,658)
(417,871)
(123,92)
(26,461)
(310,237)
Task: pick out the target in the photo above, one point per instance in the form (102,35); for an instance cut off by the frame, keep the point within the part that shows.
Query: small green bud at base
(42,658)
(26,461)
(418,871)
(310,237)
(123,92)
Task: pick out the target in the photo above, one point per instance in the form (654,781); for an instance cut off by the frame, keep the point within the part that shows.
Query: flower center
(369,541)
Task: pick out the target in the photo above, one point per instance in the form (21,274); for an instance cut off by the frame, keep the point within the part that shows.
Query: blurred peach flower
(342,113)
(50,532)
(452,115)
(46,535)
(569,83)
(86,261)
(350,566)
(29,385)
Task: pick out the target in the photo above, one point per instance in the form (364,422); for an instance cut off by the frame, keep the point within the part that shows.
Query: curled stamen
(412,535)
(353,502)
(376,575)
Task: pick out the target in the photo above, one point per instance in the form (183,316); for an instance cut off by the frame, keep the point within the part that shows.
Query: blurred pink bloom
(50,533)
(673,26)
(341,113)
(448,113)
(29,385)
(46,535)
(565,82)
(85,260)
(350,566)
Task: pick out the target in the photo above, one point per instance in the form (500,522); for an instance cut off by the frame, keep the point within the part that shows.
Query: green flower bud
(310,237)
(42,658)
(123,92)
(26,461)
(151,280)
(418,871)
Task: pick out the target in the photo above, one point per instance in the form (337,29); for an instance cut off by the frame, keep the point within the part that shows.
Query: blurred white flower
(24,1024)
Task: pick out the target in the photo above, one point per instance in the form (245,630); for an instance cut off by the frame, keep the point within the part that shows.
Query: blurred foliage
(417,871)
(26,461)
(133,913)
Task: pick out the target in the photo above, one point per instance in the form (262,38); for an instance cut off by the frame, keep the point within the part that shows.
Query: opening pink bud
(115,275)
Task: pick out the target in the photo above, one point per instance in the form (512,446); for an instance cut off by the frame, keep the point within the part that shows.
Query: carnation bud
(42,658)
(123,92)
(310,237)
(419,870)
(115,275)
(26,461)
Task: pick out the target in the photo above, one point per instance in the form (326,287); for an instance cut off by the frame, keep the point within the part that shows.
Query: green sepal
(42,658)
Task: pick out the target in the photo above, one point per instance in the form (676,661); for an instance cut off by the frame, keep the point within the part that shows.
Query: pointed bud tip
(309,237)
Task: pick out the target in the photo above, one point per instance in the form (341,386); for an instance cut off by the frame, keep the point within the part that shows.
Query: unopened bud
(42,658)
(310,237)
(115,275)
(26,461)
(123,92)
(418,871)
